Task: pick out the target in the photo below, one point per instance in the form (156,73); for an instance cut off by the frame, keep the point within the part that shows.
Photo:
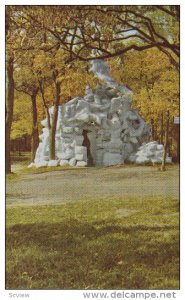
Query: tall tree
(9,106)
(26,82)
(87,32)
(9,87)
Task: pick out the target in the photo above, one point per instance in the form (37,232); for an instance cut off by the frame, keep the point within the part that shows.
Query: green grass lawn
(105,244)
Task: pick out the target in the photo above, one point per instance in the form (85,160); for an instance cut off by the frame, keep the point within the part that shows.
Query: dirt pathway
(92,183)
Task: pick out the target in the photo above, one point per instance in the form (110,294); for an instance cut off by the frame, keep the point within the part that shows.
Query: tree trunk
(178,143)
(54,121)
(35,132)
(44,103)
(161,133)
(19,143)
(163,165)
(9,108)
(153,129)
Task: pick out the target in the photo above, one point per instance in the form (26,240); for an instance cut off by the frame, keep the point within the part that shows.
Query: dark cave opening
(86,143)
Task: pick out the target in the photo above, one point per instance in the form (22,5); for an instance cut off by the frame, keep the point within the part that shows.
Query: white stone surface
(53,163)
(151,152)
(79,157)
(114,130)
(111,159)
(160,147)
(67,130)
(142,159)
(80,150)
(64,162)
(72,162)
(78,140)
(81,164)
(41,163)
(66,155)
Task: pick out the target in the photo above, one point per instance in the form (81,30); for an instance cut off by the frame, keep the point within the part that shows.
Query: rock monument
(99,129)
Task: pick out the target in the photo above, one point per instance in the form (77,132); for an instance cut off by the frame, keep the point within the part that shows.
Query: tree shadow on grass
(72,254)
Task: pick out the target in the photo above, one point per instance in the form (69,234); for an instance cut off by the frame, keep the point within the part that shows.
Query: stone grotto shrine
(99,129)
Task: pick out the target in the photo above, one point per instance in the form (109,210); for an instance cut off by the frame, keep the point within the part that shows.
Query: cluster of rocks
(99,129)
(151,152)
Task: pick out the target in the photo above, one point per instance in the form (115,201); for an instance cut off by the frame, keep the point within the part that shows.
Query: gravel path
(92,183)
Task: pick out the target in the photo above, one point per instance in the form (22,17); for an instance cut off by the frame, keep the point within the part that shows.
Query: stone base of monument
(53,163)
(64,162)
(41,163)
(81,163)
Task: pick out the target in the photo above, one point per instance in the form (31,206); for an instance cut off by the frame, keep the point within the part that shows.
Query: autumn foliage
(50,49)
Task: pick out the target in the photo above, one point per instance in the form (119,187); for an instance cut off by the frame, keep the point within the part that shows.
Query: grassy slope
(108,244)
